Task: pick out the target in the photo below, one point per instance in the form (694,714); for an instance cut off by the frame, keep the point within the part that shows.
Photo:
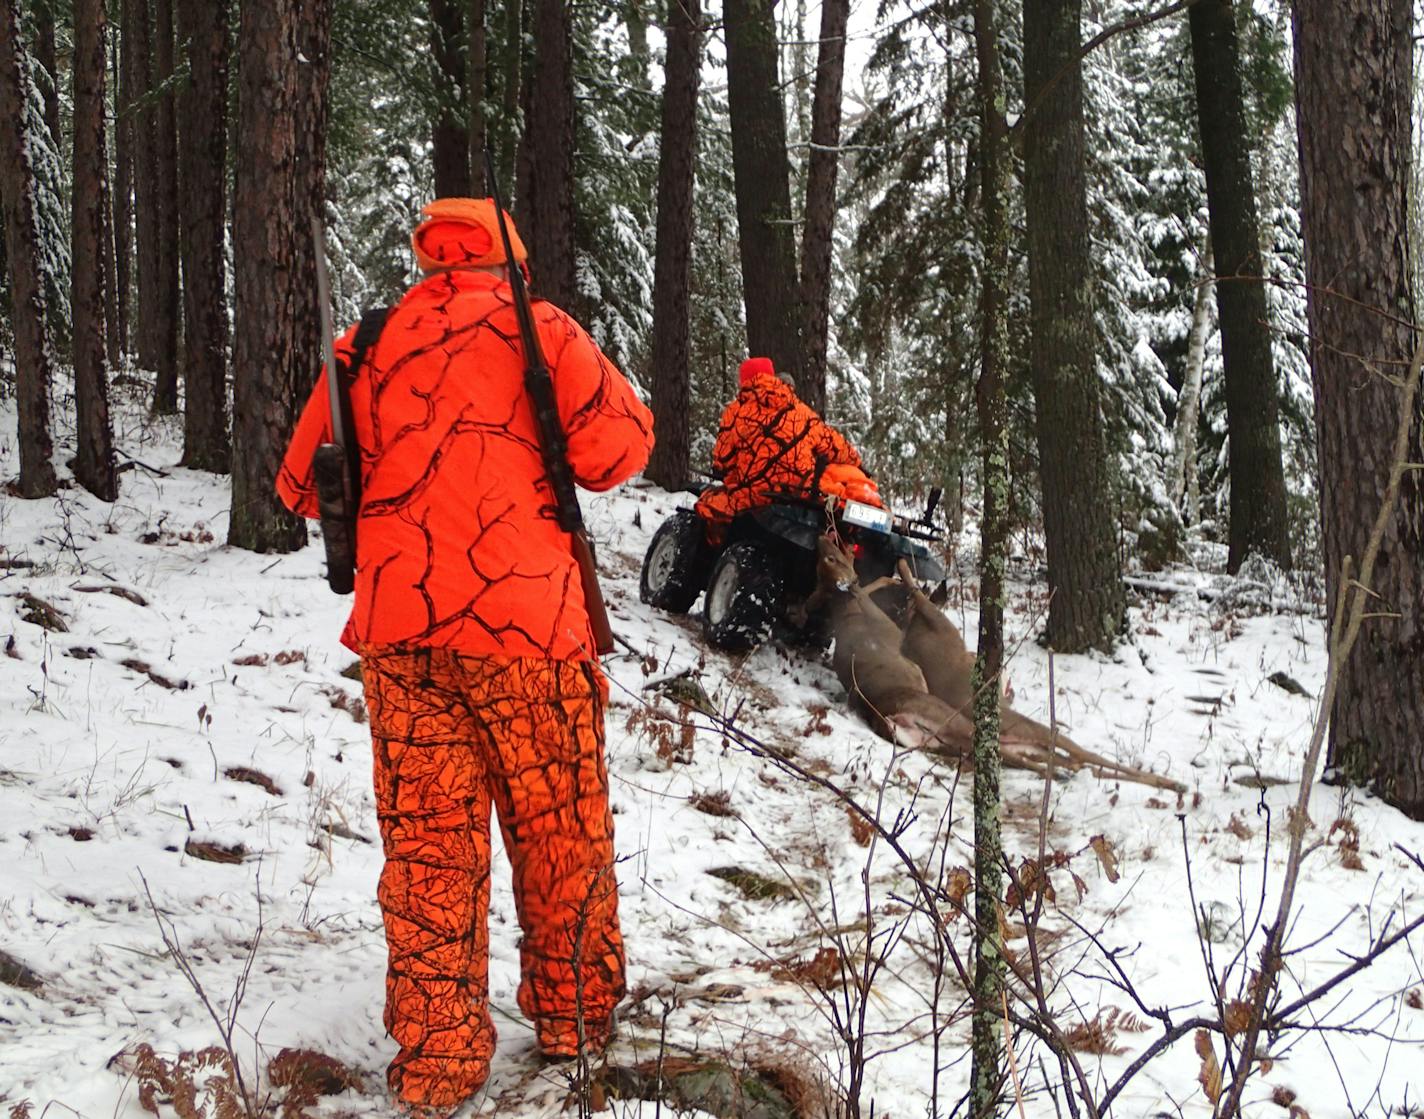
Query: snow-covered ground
(186,671)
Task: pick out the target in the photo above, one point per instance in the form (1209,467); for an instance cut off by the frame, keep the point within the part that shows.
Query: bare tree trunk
(477,88)
(1353,66)
(143,124)
(94,461)
(510,130)
(546,157)
(165,392)
(671,463)
(762,173)
(34,359)
(112,349)
(123,191)
(203,26)
(451,133)
(986,1075)
(272,368)
(1258,486)
(824,163)
(1088,600)
(1181,474)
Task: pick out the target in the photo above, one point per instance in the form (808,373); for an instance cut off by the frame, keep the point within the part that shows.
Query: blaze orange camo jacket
(770,440)
(458,545)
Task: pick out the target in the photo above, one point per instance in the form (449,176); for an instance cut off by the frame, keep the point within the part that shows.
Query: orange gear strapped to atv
(457,541)
(770,443)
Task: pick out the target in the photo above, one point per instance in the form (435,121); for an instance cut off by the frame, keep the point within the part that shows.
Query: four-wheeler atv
(766,567)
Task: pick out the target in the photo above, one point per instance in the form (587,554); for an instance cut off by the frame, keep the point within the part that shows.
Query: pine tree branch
(1132,23)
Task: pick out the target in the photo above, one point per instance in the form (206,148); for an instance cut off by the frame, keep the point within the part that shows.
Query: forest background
(1131,283)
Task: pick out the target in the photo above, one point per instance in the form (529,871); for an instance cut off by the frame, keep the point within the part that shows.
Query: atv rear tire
(744,594)
(675,565)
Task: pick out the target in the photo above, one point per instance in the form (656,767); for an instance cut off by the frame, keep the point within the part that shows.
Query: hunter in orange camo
(477,656)
(771,443)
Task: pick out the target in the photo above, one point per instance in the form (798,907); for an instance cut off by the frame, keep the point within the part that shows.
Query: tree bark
(1353,83)
(272,370)
(816,240)
(143,121)
(1088,601)
(34,359)
(203,26)
(94,461)
(1258,487)
(1181,474)
(635,22)
(512,77)
(123,192)
(671,462)
(762,173)
(986,1075)
(167,306)
(451,133)
(477,89)
(546,158)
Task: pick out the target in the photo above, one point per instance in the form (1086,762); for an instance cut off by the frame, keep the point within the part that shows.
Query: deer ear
(940,595)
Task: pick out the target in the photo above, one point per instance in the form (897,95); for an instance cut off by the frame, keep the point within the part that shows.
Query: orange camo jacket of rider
(457,541)
(770,440)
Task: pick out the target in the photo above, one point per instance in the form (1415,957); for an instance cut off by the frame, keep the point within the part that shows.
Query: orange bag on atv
(851,483)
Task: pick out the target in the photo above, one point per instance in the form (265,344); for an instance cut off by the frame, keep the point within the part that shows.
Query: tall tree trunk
(509,132)
(143,124)
(635,22)
(47,56)
(477,90)
(451,133)
(123,191)
(986,1077)
(1181,473)
(1088,601)
(113,350)
(1353,83)
(313,112)
(94,461)
(546,157)
(671,463)
(824,163)
(34,360)
(165,392)
(762,175)
(203,26)
(271,366)
(1258,486)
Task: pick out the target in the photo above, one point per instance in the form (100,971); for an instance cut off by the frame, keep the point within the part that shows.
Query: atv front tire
(744,595)
(675,564)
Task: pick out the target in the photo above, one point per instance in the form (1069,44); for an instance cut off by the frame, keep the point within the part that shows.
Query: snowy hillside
(178,720)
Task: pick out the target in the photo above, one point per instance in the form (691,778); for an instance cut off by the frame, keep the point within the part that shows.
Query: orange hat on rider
(463,232)
(753,368)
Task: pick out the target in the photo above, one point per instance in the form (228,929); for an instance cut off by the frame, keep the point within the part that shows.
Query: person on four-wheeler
(477,653)
(771,444)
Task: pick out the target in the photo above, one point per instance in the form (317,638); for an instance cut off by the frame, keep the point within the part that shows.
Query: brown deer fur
(913,685)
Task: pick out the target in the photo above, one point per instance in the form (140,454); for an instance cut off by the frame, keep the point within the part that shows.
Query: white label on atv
(866,516)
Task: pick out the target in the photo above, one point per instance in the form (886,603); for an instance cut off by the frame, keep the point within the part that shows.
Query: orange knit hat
(462,231)
(753,368)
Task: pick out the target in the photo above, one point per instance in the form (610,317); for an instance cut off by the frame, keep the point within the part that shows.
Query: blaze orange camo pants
(453,734)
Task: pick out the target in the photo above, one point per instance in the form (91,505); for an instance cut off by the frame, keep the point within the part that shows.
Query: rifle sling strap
(368,332)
